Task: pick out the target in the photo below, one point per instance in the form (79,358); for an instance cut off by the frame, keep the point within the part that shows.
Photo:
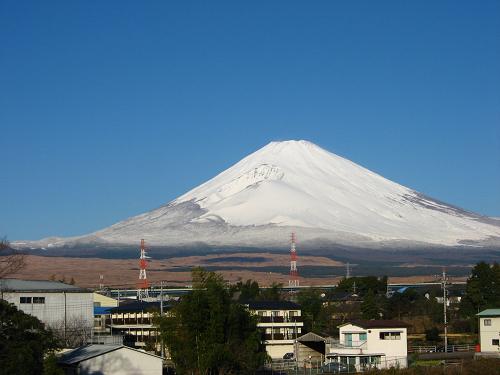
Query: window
(487,322)
(362,337)
(38,299)
(390,335)
(375,360)
(495,342)
(25,299)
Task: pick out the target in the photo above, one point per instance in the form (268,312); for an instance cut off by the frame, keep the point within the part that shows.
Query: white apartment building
(57,305)
(134,320)
(366,344)
(489,332)
(280,322)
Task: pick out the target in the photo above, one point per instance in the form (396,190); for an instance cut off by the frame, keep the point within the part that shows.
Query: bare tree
(73,332)
(11,261)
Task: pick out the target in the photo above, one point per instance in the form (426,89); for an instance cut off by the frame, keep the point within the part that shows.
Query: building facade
(134,321)
(62,307)
(489,332)
(280,323)
(366,344)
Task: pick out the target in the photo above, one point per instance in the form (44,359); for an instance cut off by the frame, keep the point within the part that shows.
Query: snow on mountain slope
(298,185)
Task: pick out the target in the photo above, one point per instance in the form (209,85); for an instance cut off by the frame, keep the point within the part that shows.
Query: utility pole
(161,314)
(443,283)
(65,317)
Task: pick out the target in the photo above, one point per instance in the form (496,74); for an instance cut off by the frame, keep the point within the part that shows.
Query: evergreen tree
(249,290)
(272,293)
(311,304)
(208,332)
(23,341)
(370,308)
(482,290)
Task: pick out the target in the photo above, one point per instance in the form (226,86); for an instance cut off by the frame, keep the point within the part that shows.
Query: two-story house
(280,322)
(489,332)
(370,343)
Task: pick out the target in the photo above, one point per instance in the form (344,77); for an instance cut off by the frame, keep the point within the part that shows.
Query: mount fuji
(296,186)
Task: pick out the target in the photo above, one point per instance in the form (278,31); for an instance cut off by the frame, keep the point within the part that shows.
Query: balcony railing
(280,319)
(347,344)
(278,336)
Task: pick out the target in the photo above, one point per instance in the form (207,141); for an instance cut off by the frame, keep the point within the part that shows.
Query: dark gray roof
(136,306)
(273,305)
(311,337)
(86,352)
(19,285)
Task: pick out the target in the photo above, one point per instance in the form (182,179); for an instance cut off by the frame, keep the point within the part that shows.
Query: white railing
(346,344)
(437,348)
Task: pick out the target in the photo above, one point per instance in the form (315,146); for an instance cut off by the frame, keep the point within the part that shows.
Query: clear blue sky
(112,108)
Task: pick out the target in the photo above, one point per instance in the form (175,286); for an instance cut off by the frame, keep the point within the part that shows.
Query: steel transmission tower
(294,274)
(143,286)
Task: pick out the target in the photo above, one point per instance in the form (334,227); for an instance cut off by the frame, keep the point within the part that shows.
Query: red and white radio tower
(294,274)
(143,286)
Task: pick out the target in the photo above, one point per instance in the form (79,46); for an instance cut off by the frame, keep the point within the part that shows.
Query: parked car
(337,368)
(289,356)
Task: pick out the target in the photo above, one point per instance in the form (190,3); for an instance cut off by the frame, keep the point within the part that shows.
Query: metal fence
(314,367)
(437,348)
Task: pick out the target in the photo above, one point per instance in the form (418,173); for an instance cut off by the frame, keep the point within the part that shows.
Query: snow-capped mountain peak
(298,185)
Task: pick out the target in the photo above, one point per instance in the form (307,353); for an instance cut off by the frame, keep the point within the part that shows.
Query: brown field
(124,272)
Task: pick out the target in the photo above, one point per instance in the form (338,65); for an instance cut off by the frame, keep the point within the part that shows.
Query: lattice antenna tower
(143,286)
(294,274)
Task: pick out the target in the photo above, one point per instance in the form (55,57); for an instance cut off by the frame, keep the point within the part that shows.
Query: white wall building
(110,360)
(55,304)
(370,343)
(280,322)
(489,332)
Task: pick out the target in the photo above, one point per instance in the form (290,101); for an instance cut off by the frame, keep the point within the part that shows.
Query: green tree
(209,333)
(407,303)
(273,293)
(23,341)
(370,308)
(50,366)
(432,335)
(363,284)
(311,303)
(249,290)
(482,290)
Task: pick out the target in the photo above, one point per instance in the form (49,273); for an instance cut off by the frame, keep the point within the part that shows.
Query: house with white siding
(365,344)
(489,332)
